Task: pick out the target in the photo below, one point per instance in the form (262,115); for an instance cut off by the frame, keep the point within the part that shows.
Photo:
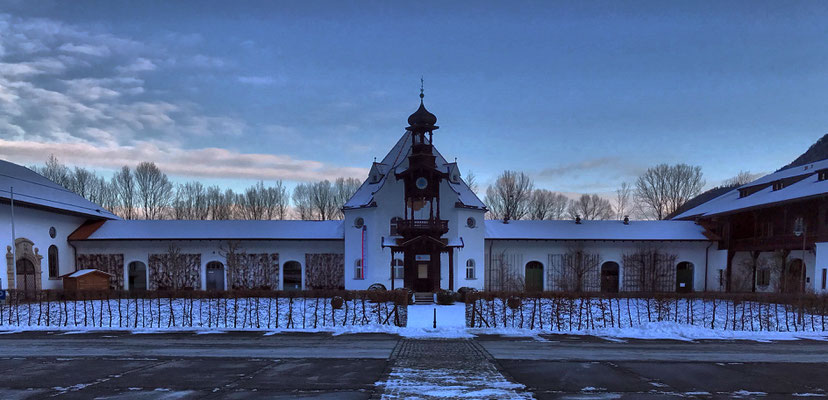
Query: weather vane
(421,87)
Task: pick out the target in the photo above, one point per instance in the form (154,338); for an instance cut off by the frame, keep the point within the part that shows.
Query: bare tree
(662,189)
(190,202)
(220,204)
(648,269)
(577,270)
(471,181)
(344,189)
(102,192)
(590,207)
(742,178)
(504,274)
(302,203)
(55,171)
(623,200)
(510,195)
(154,190)
(547,205)
(82,181)
(123,183)
(276,201)
(251,204)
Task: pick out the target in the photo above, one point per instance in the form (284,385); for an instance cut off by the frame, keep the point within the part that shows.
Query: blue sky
(581,95)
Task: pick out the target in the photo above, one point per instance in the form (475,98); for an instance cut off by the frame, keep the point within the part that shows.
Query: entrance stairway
(423,298)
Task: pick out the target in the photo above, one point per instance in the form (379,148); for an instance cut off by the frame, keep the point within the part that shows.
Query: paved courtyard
(118,365)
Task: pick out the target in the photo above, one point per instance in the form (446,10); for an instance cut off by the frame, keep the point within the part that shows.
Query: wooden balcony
(411,228)
(776,242)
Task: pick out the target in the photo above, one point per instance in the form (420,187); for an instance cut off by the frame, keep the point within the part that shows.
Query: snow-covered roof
(32,189)
(594,230)
(395,162)
(82,272)
(730,201)
(214,230)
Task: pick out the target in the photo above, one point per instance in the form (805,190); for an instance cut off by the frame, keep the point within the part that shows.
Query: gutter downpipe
(706,259)
(13,244)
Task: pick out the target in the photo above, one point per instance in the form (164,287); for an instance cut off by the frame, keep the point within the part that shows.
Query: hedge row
(577,312)
(258,310)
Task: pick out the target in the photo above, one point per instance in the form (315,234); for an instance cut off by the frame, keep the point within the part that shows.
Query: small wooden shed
(86,279)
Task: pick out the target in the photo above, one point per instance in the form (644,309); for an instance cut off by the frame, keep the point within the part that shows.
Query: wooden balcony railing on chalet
(775,242)
(419,226)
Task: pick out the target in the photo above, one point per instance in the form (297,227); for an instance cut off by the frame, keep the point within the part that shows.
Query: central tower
(422,229)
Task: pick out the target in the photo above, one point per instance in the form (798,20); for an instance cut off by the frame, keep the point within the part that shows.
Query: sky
(581,95)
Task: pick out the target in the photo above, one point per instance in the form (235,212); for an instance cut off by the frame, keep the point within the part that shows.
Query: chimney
(577,219)
(626,220)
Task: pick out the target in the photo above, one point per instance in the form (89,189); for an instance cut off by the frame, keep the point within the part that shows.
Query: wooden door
(534,276)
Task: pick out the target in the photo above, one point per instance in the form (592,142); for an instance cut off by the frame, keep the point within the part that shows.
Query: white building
(413,223)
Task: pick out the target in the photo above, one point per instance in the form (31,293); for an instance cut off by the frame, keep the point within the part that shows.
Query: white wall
(34,224)
(820,264)
(539,250)
(389,199)
(210,250)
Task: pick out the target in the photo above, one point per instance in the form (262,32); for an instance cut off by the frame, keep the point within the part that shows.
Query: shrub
(445,297)
(463,292)
(513,302)
(336,302)
(377,286)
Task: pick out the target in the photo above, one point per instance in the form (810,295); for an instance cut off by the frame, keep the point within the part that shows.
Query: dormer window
(822,175)
(778,185)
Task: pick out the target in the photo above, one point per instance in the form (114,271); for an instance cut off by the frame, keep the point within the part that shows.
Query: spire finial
(421,88)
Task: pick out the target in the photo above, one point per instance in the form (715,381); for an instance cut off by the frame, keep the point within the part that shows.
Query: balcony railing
(405,227)
(790,242)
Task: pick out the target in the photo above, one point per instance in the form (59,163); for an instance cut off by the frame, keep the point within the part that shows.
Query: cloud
(258,80)
(139,65)
(202,162)
(88,49)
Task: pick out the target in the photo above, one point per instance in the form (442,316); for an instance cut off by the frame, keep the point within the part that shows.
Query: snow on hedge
(220,313)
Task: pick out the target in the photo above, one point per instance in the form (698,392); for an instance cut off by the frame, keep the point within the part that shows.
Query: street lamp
(801,229)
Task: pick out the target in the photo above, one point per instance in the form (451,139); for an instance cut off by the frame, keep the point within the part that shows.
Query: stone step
(423,298)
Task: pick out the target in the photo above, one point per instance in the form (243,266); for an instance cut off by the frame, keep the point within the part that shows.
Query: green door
(534,276)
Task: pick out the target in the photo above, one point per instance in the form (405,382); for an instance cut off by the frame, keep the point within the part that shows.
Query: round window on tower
(421,183)
(52,232)
(471,223)
(359,222)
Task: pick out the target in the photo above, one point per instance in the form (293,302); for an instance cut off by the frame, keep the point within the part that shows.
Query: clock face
(421,183)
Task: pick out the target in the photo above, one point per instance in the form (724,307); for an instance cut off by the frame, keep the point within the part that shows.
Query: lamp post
(801,229)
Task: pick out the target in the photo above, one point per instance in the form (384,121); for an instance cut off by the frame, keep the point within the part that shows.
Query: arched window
(359,272)
(292,272)
(137,276)
(54,268)
(394,223)
(470,269)
(399,270)
(214,276)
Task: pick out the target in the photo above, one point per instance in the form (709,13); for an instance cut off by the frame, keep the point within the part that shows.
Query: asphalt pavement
(120,365)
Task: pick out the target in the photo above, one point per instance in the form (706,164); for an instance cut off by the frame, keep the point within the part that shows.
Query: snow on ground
(421,383)
(143,318)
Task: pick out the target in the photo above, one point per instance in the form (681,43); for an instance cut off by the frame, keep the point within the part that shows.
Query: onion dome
(422,117)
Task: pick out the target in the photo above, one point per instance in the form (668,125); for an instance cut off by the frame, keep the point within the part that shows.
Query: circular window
(359,222)
(52,232)
(421,183)
(471,223)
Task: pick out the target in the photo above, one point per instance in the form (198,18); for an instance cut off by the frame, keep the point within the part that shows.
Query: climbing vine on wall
(113,264)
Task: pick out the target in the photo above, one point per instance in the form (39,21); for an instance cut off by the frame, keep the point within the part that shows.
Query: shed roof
(33,189)
(212,230)
(396,161)
(595,230)
(730,202)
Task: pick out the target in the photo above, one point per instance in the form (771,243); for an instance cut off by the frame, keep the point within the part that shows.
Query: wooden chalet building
(774,230)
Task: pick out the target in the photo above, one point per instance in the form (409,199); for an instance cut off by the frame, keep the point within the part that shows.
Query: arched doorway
(214,279)
(292,276)
(609,277)
(137,276)
(684,277)
(26,279)
(534,276)
(794,281)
